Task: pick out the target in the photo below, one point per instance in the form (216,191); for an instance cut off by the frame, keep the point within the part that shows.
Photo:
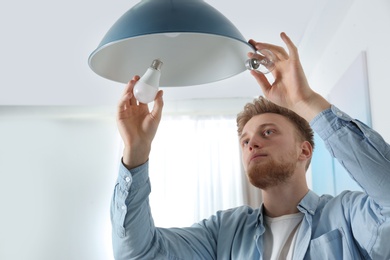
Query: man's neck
(283,199)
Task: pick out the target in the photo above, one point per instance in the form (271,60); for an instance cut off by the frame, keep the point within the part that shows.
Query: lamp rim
(133,55)
(103,46)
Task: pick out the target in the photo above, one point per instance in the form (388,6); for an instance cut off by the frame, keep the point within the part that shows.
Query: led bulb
(145,90)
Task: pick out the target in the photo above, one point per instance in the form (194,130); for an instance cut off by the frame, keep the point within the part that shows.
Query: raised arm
(130,212)
(290,88)
(134,235)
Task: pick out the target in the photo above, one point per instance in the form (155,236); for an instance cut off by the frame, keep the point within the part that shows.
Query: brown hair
(261,105)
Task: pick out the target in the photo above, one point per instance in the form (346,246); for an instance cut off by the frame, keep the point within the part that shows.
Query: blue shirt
(352,225)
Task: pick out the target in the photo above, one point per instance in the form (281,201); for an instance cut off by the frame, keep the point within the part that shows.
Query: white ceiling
(45,46)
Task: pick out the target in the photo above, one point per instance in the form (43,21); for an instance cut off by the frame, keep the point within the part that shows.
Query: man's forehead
(267,118)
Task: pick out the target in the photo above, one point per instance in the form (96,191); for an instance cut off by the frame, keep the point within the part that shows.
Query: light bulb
(145,90)
(262,61)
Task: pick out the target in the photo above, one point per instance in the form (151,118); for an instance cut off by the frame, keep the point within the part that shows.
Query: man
(276,141)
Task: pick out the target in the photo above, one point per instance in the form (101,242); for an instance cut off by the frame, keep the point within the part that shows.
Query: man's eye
(245,143)
(268,132)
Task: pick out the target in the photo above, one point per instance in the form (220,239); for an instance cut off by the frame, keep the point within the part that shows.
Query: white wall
(364,27)
(57,171)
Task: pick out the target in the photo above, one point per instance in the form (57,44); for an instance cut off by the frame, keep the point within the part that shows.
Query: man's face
(269,150)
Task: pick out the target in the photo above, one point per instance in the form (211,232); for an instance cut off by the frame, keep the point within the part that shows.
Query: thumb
(158,105)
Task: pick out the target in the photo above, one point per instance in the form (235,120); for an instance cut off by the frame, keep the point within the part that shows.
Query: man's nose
(253,144)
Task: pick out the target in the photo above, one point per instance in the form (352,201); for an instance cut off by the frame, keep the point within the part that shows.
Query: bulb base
(156,64)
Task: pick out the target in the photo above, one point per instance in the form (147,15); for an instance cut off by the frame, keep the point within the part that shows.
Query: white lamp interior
(189,58)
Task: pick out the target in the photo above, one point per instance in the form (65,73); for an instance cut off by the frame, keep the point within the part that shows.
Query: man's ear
(306,151)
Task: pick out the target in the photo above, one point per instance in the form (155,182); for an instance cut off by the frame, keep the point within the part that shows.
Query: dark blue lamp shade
(196,43)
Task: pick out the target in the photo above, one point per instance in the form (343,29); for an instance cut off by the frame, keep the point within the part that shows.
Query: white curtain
(195,170)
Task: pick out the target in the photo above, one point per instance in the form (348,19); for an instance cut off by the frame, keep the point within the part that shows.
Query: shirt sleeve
(361,151)
(366,157)
(134,235)
(131,187)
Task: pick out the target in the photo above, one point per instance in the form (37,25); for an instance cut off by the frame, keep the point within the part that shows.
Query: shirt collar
(308,204)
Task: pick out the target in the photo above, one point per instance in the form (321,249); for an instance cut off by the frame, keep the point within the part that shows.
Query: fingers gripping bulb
(145,90)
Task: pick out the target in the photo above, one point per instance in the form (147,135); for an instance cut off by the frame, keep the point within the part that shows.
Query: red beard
(270,173)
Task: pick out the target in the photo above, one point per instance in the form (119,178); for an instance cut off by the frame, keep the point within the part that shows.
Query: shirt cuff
(329,121)
(133,178)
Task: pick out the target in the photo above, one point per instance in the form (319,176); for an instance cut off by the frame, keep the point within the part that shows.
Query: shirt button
(127,179)
(339,114)
(123,207)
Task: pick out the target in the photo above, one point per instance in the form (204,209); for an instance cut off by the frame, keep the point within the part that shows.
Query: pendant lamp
(196,43)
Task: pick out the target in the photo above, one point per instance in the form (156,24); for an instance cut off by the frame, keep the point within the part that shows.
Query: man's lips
(257,156)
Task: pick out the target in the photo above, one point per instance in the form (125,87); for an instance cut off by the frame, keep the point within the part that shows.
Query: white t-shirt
(280,235)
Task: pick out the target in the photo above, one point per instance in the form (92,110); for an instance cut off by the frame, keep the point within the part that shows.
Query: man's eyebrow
(243,136)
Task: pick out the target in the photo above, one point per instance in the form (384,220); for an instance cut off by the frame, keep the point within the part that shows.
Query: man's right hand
(137,125)
(290,88)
